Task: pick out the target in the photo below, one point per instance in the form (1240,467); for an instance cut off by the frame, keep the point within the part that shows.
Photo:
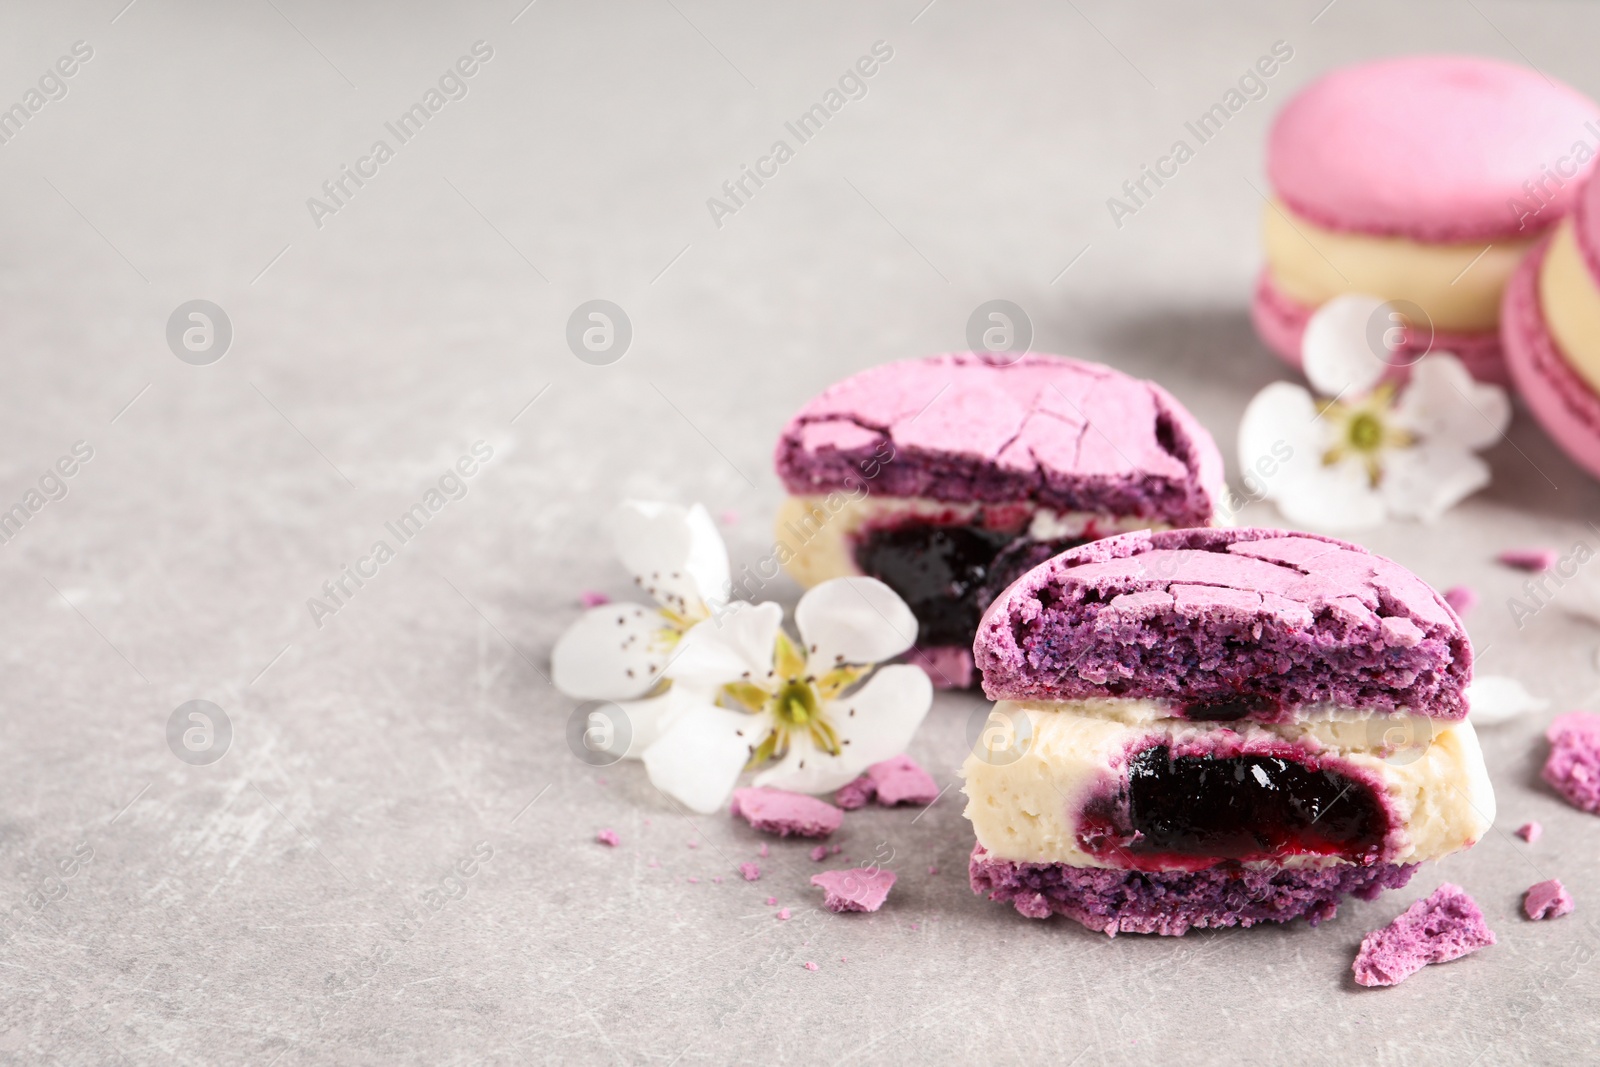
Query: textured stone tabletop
(393,860)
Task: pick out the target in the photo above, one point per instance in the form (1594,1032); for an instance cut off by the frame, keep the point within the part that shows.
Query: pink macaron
(1563,398)
(1424,180)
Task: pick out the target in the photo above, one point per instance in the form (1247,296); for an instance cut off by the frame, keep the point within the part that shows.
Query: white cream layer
(815,534)
(1458,285)
(1038,762)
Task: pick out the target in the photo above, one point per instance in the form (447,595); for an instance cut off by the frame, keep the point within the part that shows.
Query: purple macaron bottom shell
(1115,901)
(1281,323)
(1562,401)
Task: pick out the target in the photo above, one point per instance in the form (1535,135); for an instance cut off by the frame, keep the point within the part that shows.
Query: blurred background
(258,909)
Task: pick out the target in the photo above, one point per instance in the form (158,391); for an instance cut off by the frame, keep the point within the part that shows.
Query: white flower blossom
(1368,450)
(710,694)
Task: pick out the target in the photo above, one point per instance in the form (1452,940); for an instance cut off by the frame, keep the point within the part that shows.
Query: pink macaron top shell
(1064,433)
(1435,148)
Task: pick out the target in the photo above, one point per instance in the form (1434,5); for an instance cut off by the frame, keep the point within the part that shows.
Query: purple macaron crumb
(857,794)
(1530,832)
(1573,768)
(1547,900)
(1262,619)
(750,871)
(1442,927)
(857,889)
(893,781)
(609,837)
(947,666)
(1461,598)
(1529,559)
(1171,902)
(774,811)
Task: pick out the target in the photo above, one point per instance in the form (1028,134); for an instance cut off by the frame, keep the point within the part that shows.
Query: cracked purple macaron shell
(1275,619)
(966,427)
(1113,901)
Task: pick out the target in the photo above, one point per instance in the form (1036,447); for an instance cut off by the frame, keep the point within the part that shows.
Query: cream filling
(1570,301)
(1037,763)
(815,534)
(1457,285)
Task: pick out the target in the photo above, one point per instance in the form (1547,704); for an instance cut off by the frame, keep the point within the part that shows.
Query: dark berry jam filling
(1173,811)
(948,574)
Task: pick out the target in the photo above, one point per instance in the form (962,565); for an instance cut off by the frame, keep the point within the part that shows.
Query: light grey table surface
(254,910)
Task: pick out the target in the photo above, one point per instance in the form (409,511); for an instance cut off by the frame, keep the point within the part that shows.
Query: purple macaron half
(977,427)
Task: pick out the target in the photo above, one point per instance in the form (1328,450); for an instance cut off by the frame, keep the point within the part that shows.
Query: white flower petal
(1428,480)
(1444,405)
(612,652)
(648,720)
(698,759)
(1281,439)
(887,711)
(735,643)
(674,553)
(1337,354)
(853,620)
(1339,497)
(1494,699)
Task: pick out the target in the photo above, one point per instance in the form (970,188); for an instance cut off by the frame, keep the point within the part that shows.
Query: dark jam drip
(949,574)
(1231,709)
(1234,808)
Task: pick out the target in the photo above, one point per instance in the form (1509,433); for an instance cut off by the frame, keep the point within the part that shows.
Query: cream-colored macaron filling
(1570,301)
(1037,763)
(1457,285)
(816,533)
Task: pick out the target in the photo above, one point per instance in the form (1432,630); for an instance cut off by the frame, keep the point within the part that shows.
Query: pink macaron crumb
(771,901)
(693,880)
(590,598)
(810,966)
(857,889)
(750,872)
(1547,900)
(1573,768)
(892,781)
(692,844)
(819,853)
(729,516)
(856,794)
(1444,926)
(774,811)
(783,914)
(1461,598)
(933,868)
(1530,832)
(1529,559)
(762,851)
(608,837)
